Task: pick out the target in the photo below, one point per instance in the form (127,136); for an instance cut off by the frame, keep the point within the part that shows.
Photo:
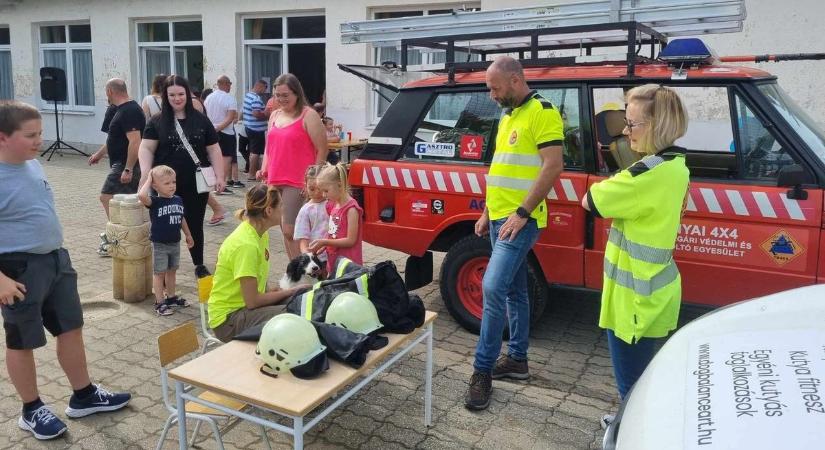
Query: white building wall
(768,29)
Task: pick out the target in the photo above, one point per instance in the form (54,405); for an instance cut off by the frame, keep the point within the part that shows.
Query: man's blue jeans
(629,360)
(505,295)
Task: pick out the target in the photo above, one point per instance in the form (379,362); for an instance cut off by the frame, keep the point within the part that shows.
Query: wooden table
(233,370)
(349,146)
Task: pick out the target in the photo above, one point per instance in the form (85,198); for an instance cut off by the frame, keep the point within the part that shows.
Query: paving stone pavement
(558,408)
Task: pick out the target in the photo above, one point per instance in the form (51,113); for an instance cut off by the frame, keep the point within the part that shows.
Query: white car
(748,376)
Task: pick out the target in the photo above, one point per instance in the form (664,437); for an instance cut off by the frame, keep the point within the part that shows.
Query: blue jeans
(505,294)
(629,360)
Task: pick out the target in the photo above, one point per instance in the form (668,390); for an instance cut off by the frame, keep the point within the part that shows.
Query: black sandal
(162,309)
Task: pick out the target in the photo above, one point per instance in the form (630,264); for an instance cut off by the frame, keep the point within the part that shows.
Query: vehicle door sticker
(737,203)
(420,207)
(471,146)
(391,176)
(712,241)
(456,182)
(436,149)
(744,203)
(422,177)
(474,186)
(439,181)
(408,181)
(438,206)
(559,219)
(376,173)
(571,190)
(782,247)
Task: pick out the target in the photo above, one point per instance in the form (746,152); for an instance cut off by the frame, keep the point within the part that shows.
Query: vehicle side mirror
(794,176)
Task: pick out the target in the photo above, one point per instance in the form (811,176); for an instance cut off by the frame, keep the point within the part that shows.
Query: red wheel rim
(469,285)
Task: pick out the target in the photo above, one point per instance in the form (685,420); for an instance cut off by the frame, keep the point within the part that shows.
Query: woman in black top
(161,145)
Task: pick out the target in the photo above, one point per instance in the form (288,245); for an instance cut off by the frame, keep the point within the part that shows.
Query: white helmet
(288,341)
(353,312)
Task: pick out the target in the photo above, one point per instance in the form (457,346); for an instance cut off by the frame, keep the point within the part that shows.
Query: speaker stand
(58,144)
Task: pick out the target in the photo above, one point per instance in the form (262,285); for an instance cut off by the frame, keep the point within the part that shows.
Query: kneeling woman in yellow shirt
(239,298)
(642,287)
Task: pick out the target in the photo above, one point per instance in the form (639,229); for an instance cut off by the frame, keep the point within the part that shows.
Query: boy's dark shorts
(51,299)
(165,256)
(257,141)
(229,147)
(113,186)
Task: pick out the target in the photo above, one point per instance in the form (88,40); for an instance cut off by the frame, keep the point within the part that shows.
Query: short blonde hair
(162,171)
(664,113)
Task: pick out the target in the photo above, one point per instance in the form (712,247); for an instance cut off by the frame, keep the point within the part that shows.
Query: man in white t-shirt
(222,110)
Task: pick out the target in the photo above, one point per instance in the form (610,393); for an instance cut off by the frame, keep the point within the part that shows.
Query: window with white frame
(69,47)
(417,59)
(170,47)
(293,43)
(6,86)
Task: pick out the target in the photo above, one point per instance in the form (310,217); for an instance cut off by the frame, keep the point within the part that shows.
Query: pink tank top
(337,229)
(289,151)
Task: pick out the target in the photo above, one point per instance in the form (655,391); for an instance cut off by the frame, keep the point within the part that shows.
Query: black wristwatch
(523,213)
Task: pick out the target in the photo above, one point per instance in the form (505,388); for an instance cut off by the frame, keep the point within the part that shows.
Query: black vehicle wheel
(461,282)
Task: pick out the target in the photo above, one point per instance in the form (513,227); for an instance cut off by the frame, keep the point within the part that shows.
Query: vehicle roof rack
(583,25)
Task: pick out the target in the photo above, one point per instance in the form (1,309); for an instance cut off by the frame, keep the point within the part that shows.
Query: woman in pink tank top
(295,140)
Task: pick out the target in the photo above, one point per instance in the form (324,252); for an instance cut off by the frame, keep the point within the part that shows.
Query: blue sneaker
(101,401)
(42,423)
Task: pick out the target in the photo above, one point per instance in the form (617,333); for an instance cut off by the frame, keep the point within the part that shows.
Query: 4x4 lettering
(722,232)
(477,204)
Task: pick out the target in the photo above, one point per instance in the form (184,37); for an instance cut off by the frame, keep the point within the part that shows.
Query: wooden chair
(173,345)
(204,289)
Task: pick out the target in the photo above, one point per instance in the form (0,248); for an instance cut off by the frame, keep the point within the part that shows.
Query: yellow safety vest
(516,164)
(361,283)
(642,286)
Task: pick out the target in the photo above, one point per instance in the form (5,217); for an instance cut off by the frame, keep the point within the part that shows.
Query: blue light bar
(687,50)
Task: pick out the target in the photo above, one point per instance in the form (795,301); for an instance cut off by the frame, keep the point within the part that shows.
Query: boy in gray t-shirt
(38,286)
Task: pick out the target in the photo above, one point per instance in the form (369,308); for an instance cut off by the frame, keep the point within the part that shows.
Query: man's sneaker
(507,367)
(100,401)
(238,184)
(606,420)
(201,271)
(42,423)
(478,394)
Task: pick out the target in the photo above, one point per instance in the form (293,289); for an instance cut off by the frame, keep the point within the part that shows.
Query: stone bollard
(128,236)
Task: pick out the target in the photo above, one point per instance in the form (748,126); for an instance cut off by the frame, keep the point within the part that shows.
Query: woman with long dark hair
(162,145)
(295,140)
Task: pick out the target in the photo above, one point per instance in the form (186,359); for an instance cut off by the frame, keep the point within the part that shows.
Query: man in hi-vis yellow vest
(526,163)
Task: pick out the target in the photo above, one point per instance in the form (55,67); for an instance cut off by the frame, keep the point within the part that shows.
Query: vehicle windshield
(799,120)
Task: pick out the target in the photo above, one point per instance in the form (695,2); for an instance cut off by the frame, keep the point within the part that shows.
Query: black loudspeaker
(53,84)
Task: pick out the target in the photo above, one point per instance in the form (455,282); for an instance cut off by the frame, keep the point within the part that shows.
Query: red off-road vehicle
(754,218)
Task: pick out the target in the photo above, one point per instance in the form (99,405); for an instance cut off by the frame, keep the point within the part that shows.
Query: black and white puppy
(303,265)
